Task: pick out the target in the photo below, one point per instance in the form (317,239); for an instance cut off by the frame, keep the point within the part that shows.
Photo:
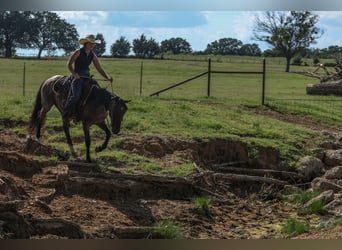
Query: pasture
(172,149)
(186,111)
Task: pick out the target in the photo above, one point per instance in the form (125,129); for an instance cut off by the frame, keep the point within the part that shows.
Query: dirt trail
(72,199)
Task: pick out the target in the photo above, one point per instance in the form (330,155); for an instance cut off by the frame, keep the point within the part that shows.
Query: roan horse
(96,104)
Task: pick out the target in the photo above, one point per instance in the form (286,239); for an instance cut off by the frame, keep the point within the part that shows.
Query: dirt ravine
(41,199)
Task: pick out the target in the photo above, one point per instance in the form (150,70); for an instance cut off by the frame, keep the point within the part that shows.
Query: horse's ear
(127,101)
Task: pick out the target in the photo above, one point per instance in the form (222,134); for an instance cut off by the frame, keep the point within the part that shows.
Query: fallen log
(56,226)
(113,186)
(325,88)
(249,178)
(11,205)
(81,166)
(291,176)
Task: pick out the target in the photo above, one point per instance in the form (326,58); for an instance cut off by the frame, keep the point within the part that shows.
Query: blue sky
(199,28)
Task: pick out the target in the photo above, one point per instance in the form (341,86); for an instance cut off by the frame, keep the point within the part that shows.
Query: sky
(199,28)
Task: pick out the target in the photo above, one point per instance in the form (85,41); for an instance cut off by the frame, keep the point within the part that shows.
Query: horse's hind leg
(66,128)
(41,120)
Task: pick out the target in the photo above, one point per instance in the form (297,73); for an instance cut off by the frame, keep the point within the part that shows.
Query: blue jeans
(76,91)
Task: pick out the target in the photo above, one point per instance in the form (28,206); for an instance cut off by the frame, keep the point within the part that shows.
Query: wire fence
(326,109)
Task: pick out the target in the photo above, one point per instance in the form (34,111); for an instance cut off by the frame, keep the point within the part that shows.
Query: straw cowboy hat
(89,39)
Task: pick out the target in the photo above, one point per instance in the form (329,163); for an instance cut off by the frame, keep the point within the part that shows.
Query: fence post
(24,77)
(141,75)
(263,81)
(209,76)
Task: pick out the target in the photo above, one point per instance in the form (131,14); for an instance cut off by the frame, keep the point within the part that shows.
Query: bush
(297,61)
(315,61)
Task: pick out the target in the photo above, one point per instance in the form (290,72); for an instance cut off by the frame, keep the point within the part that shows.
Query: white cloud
(210,26)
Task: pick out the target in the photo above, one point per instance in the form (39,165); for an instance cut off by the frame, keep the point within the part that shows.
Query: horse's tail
(34,119)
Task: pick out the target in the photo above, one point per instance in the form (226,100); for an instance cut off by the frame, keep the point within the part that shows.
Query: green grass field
(186,111)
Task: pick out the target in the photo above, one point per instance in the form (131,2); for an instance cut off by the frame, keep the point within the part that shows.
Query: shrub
(297,60)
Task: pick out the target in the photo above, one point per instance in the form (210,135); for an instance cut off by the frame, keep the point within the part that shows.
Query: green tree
(14,30)
(120,48)
(224,46)
(49,32)
(176,46)
(288,32)
(139,46)
(145,48)
(250,50)
(100,48)
(152,48)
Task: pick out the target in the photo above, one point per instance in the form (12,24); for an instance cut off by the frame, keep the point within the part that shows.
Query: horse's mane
(101,95)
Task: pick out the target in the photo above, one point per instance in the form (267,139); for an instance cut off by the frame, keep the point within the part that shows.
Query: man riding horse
(78,65)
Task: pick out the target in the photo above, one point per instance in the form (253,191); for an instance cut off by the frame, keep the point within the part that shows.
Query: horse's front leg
(66,128)
(104,127)
(86,129)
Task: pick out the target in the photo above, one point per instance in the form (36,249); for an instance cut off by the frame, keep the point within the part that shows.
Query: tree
(176,46)
(14,30)
(250,50)
(288,32)
(120,48)
(50,32)
(152,48)
(145,48)
(224,46)
(139,46)
(100,48)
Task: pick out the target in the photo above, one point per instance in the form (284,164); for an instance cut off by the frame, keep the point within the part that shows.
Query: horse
(96,104)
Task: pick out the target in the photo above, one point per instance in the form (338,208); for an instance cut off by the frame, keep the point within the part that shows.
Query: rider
(81,59)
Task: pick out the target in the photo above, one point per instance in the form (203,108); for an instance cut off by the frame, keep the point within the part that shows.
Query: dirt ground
(41,199)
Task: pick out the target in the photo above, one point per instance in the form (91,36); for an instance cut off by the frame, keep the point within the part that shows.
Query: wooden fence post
(141,75)
(209,76)
(24,79)
(263,81)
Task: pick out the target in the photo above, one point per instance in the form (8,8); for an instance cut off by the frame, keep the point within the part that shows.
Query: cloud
(199,28)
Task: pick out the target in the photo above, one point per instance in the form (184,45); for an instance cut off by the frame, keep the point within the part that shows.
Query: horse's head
(117,110)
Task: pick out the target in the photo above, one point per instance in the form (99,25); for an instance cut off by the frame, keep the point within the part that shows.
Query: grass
(202,204)
(169,229)
(185,111)
(293,227)
(303,197)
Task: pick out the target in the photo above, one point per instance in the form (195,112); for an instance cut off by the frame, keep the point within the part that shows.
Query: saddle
(63,88)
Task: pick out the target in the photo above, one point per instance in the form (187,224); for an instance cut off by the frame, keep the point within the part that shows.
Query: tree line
(47,31)
(289,33)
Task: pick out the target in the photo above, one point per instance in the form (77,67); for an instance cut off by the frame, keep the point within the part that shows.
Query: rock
(322,184)
(311,167)
(335,207)
(333,157)
(325,197)
(334,173)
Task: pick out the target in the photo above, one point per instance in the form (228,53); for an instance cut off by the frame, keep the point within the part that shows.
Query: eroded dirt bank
(72,199)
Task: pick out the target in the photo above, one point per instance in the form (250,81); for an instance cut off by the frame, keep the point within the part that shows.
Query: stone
(322,184)
(334,173)
(311,167)
(333,157)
